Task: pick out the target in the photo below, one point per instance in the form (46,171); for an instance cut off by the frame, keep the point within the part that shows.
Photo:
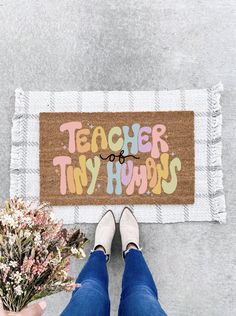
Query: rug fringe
(16,134)
(217,188)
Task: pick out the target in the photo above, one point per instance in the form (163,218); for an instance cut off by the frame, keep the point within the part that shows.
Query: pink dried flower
(5,274)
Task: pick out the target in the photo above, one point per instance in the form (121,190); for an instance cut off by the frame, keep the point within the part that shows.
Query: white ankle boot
(105,232)
(129,229)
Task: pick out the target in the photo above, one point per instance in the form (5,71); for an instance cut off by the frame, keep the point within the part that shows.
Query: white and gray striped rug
(209,196)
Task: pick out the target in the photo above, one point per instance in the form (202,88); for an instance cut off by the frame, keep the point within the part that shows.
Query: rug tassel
(218,199)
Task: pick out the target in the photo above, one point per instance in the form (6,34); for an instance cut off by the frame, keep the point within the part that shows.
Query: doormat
(209,201)
(126,158)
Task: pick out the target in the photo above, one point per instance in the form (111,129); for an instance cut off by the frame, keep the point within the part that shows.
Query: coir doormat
(123,158)
(209,201)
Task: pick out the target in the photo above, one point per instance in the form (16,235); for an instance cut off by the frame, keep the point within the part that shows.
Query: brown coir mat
(117,158)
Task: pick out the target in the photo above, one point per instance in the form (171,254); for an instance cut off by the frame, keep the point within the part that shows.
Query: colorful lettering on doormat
(117,158)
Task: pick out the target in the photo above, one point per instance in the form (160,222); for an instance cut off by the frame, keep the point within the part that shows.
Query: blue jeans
(139,293)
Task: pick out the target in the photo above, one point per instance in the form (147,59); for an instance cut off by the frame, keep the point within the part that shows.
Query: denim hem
(100,251)
(131,249)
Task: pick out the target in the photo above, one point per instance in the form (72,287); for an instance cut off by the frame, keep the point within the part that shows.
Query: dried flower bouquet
(35,254)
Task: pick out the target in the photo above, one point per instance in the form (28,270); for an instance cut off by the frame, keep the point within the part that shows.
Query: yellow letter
(151,172)
(80,175)
(98,132)
(70,179)
(94,169)
(162,172)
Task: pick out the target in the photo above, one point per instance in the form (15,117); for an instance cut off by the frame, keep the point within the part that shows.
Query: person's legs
(139,293)
(92,298)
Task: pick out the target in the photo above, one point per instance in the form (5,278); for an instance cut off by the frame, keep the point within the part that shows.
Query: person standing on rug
(139,294)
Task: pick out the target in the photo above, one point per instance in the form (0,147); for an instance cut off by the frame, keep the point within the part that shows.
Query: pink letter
(62,161)
(143,144)
(71,127)
(139,179)
(157,131)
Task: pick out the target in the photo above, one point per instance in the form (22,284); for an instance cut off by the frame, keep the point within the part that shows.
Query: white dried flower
(18,290)
(13,264)
(37,239)
(18,277)
(27,233)
(8,220)
(74,251)
(2,266)
(28,221)
(11,239)
(52,215)
(18,213)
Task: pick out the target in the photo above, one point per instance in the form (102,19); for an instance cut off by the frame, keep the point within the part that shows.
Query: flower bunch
(35,253)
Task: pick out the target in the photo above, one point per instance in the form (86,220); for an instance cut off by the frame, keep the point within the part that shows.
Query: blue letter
(131,139)
(113,176)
